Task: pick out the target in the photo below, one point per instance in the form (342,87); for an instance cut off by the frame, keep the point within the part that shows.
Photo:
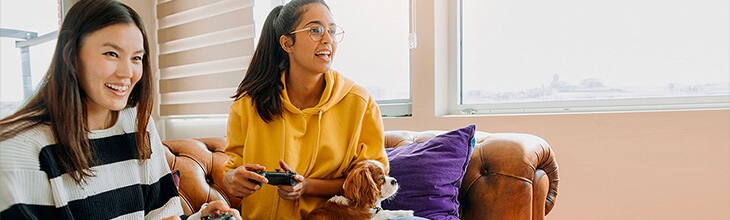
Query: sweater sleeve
(235,136)
(25,192)
(162,197)
(370,144)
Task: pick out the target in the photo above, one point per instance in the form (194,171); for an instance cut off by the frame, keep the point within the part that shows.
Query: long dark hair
(59,99)
(263,77)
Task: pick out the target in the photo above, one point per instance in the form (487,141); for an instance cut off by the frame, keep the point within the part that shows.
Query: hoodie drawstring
(316,147)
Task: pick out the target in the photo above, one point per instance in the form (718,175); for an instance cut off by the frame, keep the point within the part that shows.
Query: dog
(366,186)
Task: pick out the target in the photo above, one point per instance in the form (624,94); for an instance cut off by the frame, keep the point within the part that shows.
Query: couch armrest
(200,162)
(504,173)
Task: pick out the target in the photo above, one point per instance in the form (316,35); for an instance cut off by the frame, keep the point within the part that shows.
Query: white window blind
(205,47)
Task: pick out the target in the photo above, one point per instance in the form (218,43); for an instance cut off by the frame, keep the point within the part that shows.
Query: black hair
(262,81)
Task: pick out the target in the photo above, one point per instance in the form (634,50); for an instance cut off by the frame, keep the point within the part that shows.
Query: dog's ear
(360,187)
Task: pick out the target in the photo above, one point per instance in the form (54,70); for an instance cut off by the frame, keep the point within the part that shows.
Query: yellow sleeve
(235,134)
(370,146)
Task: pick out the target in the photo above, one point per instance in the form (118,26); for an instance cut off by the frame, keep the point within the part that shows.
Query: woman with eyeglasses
(293,112)
(85,146)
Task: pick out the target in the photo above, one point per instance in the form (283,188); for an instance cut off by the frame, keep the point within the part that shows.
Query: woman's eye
(317,30)
(138,58)
(112,53)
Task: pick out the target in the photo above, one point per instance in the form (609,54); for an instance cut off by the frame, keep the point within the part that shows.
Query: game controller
(277,178)
(224,216)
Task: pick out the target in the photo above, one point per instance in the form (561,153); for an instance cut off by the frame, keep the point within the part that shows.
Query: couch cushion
(430,174)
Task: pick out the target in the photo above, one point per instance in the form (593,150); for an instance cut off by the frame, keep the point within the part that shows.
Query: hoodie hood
(336,88)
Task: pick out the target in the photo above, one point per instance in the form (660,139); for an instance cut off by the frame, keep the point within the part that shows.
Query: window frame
(455,106)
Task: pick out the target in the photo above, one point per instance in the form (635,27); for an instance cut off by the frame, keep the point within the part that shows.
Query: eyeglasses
(316,33)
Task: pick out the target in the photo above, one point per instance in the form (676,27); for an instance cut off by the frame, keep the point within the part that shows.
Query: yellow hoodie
(321,142)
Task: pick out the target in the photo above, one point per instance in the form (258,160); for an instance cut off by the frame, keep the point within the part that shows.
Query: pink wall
(641,165)
(661,165)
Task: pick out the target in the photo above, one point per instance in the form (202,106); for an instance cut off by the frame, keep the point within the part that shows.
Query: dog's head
(367,183)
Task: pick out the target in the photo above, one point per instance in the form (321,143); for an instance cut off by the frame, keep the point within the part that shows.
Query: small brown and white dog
(366,186)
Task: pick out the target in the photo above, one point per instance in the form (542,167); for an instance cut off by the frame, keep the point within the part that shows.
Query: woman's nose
(125,69)
(327,37)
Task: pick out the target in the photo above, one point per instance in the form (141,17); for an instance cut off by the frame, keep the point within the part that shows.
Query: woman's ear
(286,43)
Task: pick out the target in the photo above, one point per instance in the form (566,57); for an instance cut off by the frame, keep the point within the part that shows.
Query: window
(375,51)
(578,56)
(27,39)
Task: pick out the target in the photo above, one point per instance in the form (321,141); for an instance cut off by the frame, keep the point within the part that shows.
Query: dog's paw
(404,213)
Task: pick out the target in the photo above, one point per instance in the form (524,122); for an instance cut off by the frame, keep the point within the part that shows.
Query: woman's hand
(291,192)
(237,181)
(219,207)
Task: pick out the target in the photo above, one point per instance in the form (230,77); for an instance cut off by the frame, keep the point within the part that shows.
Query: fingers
(292,192)
(246,174)
(288,195)
(254,167)
(235,214)
(215,208)
(238,183)
(220,207)
(285,166)
(243,187)
(172,218)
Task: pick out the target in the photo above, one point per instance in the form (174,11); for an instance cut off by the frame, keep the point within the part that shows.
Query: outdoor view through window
(541,51)
(24,25)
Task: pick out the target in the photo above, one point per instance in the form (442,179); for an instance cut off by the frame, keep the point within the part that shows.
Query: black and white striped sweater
(33,185)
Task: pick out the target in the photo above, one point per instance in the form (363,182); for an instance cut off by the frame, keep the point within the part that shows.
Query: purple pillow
(430,174)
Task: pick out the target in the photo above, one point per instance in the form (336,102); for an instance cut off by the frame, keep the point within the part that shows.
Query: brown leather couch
(509,176)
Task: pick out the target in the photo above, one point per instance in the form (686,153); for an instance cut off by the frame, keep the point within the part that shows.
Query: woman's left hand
(291,192)
(219,207)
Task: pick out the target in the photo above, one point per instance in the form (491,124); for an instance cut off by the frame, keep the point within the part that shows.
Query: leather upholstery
(200,162)
(505,172)
(509,176)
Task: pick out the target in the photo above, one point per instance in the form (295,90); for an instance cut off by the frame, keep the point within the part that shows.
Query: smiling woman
(63,153)
(293,111)
(111,64)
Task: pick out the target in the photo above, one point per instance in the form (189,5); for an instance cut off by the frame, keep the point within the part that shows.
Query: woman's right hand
(237,181)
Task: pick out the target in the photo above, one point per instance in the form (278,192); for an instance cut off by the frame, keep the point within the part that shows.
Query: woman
(85,146)
(292,111)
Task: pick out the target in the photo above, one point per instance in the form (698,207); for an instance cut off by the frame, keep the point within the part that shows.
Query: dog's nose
(393,182)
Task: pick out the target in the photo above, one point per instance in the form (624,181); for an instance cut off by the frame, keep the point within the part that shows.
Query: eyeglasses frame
(332,36)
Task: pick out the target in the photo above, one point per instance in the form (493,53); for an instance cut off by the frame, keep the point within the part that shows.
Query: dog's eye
(381,179)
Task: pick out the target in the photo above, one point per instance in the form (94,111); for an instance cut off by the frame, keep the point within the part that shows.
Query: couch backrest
(510,176)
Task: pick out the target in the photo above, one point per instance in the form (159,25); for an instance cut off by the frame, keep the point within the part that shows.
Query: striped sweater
(34,186)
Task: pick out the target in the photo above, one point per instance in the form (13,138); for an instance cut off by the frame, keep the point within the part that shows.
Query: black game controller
(277,178)
(224,216)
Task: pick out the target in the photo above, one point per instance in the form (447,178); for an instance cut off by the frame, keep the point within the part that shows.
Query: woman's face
(306,54)
(110,64)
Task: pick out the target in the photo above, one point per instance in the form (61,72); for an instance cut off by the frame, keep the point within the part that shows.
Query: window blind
(205,47)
